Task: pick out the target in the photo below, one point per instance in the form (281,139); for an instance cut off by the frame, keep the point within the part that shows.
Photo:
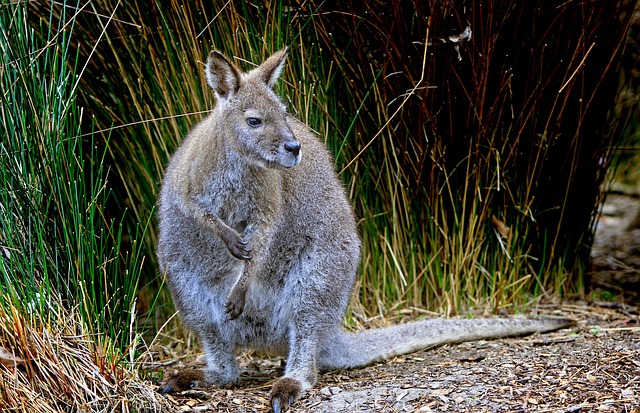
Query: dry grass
(62,368)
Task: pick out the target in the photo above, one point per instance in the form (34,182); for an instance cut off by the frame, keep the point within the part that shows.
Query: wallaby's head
(253,116)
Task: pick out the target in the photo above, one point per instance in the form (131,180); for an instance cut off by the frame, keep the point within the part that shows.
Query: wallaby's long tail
(343,350)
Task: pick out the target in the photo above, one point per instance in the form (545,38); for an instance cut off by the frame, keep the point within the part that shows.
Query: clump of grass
(474,165)
(51,365)
(511,129)
(68,270)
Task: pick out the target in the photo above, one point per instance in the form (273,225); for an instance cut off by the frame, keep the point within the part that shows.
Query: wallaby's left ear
(222,75)
(270,70)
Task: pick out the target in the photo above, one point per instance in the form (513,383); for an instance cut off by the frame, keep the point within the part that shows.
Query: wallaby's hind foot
(187,379)
(184,380)
(284,393)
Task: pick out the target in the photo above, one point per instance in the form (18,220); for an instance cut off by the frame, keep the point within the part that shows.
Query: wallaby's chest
(241,197)
(232,200)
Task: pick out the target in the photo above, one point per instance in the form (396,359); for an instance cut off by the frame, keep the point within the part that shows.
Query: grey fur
(259,245)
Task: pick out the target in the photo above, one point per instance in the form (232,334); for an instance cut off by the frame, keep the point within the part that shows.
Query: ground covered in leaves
(594,366)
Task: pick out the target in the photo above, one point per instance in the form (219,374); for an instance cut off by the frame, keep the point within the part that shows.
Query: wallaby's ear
(270,70)
(222,75)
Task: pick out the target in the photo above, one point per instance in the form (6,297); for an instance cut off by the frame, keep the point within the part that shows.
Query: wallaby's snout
(291,146)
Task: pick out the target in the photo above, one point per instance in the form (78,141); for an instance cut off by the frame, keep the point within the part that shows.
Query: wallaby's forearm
(237,246)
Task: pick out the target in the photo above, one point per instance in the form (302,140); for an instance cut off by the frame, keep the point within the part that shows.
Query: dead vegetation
(49,366)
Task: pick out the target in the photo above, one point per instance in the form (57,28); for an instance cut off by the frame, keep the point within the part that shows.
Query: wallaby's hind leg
(222,366)
(316,308)
(301,372)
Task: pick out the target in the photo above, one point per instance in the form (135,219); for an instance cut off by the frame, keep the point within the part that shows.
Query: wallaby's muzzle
(292,147)
(290,154)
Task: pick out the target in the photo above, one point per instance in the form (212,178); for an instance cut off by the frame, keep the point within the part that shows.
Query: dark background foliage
(532,93)
(439,142)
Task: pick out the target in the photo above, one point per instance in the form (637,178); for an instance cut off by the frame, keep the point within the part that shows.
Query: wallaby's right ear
(222,75)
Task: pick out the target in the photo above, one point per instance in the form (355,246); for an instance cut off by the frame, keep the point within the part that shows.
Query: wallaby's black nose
(292,147)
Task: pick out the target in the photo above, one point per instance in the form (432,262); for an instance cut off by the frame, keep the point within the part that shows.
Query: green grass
(69,270)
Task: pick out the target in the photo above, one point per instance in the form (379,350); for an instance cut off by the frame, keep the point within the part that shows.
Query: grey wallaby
(259,245)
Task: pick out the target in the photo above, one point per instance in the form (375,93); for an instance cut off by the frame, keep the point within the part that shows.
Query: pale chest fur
(244,193)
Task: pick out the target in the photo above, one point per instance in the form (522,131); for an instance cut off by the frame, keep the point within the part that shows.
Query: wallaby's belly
(264,322)
(200,273)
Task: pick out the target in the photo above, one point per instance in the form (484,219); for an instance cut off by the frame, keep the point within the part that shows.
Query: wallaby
(260,248)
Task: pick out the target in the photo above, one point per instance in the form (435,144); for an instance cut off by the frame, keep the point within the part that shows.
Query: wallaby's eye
(254,122)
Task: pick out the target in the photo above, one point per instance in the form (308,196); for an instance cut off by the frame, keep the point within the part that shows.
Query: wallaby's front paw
(284,393)
(237,246)
(235,303)
(184,380)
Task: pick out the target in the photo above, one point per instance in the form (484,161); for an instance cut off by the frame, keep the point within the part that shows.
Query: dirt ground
(593,366)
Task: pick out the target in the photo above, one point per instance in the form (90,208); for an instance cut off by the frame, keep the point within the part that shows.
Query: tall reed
(495,130)
(68,270)
(472,140)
